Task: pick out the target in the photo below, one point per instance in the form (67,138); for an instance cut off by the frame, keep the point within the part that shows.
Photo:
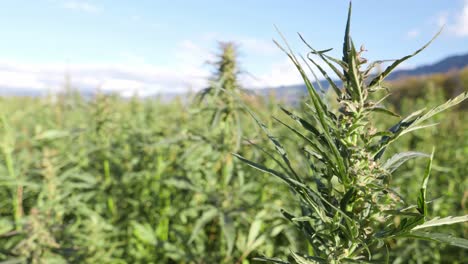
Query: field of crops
(226,177)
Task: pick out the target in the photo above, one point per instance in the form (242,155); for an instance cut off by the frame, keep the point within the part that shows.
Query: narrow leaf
(390,68)
(381,109)
(422,206)
(440,237)
(398,159)
(206,217)
(442,221)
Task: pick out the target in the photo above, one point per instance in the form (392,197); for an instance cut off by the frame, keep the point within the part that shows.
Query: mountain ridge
(293,93)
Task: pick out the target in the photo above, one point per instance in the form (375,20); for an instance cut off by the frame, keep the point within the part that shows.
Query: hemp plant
(349,208)
(221,209)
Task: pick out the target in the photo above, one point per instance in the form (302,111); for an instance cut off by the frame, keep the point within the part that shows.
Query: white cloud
(124,79)
(81,6)
(413,33)
(456,23)
(128,79)
(284,73)
(258,46)
(281,74)
(134,75)
(442,19)
(12,79)
(460,27)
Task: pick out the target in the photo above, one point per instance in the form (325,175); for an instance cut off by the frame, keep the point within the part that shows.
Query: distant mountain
(290,94)
(293,93)
(451,63)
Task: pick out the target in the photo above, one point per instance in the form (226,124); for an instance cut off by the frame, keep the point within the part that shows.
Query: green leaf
(6,226)
(206,217)
(254,231)
(398,159)
(272,260)
(309,127)
(347,39)
(297,186)
(307,259)
(442,221)
(278,146)
(51,134)
(381,109)
(144,233)
(413,121)
(354,79)
(422,206)
(390,68)
(347,198)
(414,128)
(440,237)
(266,152)
(320,109)
(325,74)
(308,140)
(302,219)
(229,232)
(180,183)
(326,59)
(260,167)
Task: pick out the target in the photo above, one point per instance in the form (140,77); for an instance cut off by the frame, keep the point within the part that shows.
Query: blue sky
(146,47)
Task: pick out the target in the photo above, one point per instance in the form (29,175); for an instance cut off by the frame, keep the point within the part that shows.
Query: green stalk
(107,181)
(162,230)
(17,193)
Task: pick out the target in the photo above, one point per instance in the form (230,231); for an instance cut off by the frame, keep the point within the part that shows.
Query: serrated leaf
(278,146)
(302,219)
(206,217)
(442,221)
(320,108)
(309,127)
(254,231)
(182,184)
(390,68)
(414,120)
(440,237)
(325,74)
(144,233)
(307,260)
(272,260)
(327,60)
(398,159)
(280,175)
(308,140)
(406,225)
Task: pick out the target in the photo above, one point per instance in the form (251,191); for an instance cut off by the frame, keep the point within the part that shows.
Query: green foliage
(111,180)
